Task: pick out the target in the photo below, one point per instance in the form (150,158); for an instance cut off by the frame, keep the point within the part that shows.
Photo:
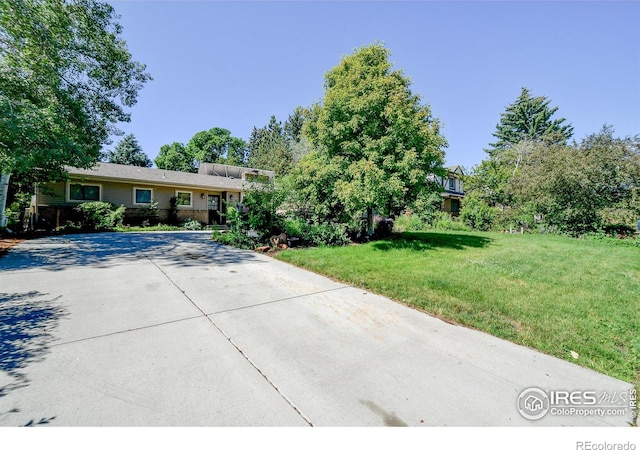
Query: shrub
(295,227)
(100,216)
(264,215)
(172,218)
(619,229)
(408,222)
(477,214)
(191,224)
(443,221)
(326,234)
(236,239)
(149,215)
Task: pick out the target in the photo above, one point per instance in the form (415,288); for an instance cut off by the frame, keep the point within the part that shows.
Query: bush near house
(100,216)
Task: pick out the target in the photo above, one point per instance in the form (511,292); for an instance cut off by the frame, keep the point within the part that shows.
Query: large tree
(175,157)
(128,152)
(583,187)
(375,135)
(66,77)
(217,146)
(525,123)
(269,148)
(529,119)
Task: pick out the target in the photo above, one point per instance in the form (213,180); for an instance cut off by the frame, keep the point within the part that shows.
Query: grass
(555,294)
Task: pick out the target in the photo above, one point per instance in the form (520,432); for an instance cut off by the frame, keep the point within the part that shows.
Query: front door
(213,205)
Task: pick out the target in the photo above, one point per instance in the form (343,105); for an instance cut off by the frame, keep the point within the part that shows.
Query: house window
(142,196)
(84,192)
(183,198)
(452,184)
(455,205)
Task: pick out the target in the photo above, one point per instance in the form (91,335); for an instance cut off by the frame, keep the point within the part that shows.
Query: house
(453,189)
(201,196)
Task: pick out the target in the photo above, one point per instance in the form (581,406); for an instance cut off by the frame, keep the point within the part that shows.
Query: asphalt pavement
(172,329)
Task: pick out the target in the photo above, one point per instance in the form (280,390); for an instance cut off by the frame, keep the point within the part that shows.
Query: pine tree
(529,119)
(128,152)
(268,148)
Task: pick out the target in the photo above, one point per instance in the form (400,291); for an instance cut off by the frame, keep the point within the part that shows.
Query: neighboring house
(453,189)
(202,196)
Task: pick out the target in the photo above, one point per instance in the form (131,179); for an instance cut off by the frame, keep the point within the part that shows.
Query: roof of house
(134,174)
(455,169)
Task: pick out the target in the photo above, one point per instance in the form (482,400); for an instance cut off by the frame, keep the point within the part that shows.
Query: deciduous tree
(217,146)
(380,141)
(66,77)
(583,187)
(175,157)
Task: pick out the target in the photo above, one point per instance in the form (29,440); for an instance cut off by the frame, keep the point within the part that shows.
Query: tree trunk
(4,190)
(369,222)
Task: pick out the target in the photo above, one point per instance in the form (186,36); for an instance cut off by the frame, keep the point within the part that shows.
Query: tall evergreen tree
(268,148)
(529,119)
(525,123)
(128,152)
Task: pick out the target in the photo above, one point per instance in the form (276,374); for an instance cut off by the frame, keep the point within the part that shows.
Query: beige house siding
(56,208)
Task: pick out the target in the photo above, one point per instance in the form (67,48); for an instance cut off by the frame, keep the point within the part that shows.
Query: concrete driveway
(173,329)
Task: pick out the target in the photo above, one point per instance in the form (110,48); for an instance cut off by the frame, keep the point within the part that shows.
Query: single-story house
(453,189)
(202,196)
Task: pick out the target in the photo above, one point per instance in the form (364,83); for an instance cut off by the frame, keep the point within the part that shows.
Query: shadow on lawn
(430,241)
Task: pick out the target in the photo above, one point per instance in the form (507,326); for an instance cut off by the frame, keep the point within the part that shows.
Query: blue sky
(234,64)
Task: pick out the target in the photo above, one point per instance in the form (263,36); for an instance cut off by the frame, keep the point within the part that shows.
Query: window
(84,192)
(455,205)
(452,184)
(183,198)
(142,196)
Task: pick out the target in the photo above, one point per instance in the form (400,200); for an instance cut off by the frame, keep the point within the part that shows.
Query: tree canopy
(217,146)
(583,187)
(525,123)
(269,148)
(371,135)
(529,119)
(128,152)
(66,77)
(175,156)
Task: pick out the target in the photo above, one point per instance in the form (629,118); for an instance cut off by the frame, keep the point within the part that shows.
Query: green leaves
(529,119)
(374,133)
(66,79)
(175,157)
(128,152)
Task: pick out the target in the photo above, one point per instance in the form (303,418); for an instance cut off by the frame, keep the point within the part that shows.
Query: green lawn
(555,294)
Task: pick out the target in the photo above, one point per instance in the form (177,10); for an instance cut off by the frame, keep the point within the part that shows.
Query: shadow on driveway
(27,324)
(109,249)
